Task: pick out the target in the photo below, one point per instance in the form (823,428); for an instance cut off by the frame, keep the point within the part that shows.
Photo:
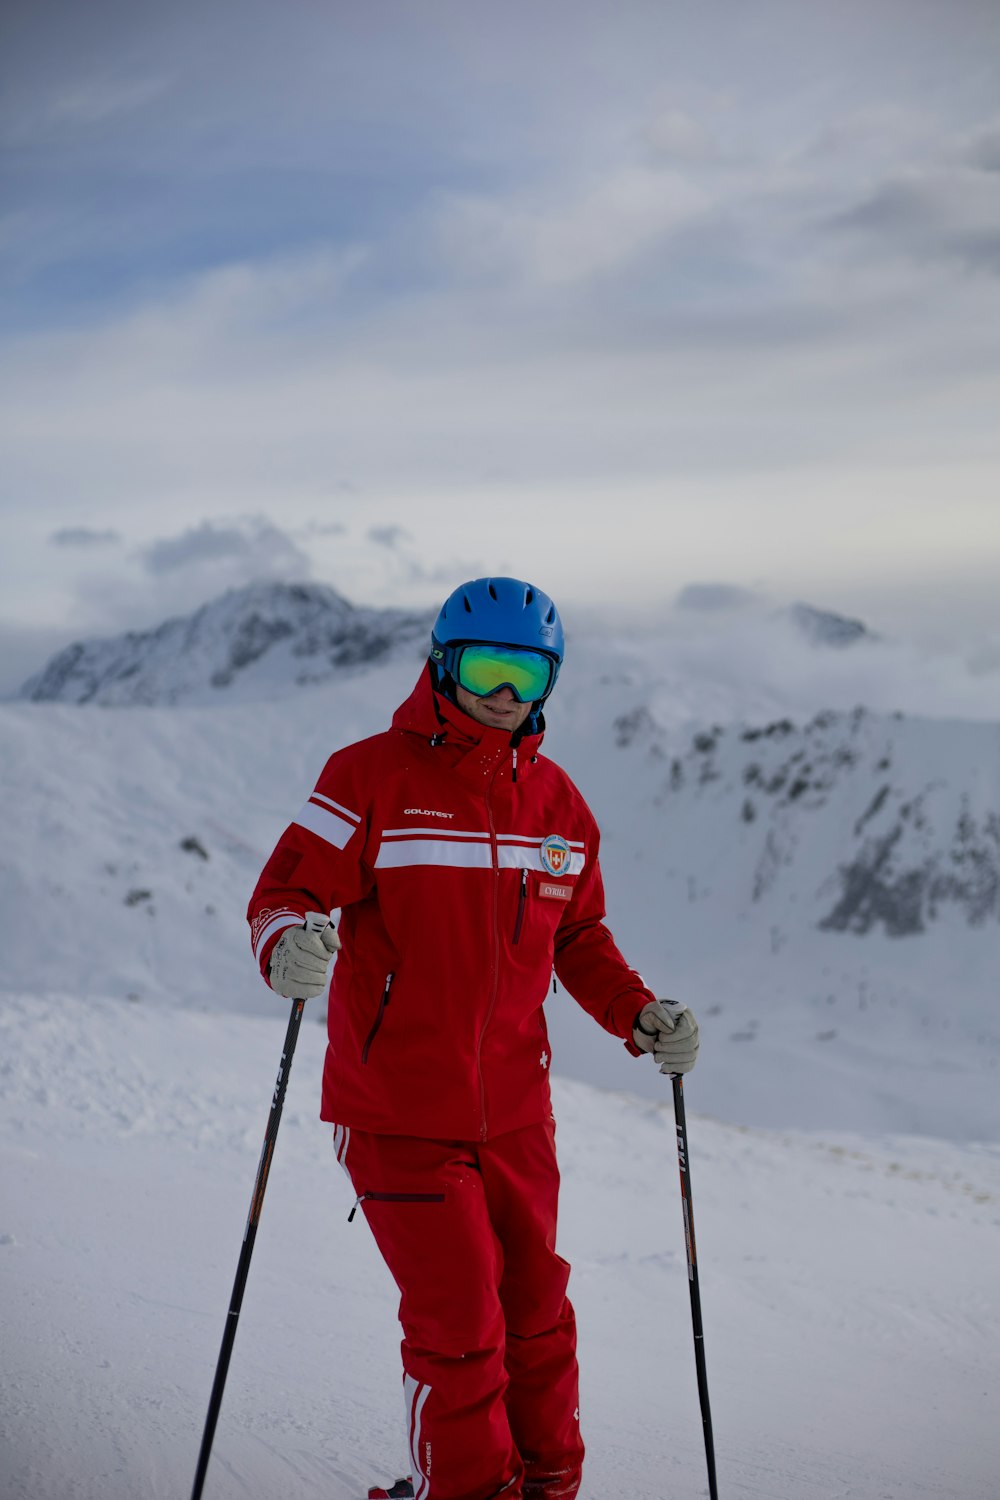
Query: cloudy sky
(623,297)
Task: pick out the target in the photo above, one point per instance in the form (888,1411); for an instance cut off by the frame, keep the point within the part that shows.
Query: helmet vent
(468,606)
(529,596)
(493,592)
(550,617)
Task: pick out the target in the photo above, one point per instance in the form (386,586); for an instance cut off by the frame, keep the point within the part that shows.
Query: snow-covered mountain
(271,638)
(263,637)
(825,627)
(858,820)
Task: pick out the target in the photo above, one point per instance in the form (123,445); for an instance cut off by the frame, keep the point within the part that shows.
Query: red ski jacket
(465,872)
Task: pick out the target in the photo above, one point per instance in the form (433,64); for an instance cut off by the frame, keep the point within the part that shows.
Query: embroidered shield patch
(555,854)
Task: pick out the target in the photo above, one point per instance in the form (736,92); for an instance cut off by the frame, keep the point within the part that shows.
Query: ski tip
(401,1490)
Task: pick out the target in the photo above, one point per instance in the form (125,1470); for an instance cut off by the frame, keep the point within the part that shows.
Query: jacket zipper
(522,898)
(378,1018)
(394,1198)
(496,954)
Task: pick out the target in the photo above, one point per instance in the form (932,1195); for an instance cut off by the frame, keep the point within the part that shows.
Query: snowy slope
(849,1285)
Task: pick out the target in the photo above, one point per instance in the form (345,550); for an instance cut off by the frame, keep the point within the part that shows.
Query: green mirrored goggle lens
(483,669)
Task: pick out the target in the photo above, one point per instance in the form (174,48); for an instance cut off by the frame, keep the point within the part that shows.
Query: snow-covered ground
(849,1285)
(844,1117)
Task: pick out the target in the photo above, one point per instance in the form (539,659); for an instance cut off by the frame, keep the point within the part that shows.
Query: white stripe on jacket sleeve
(278,923)
(345,812)
(330,826)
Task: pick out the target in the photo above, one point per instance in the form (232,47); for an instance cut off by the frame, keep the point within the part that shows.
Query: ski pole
(692,1261)
(315,922)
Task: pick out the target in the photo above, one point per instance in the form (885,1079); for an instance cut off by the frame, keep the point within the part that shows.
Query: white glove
(301,957)
(668,1030)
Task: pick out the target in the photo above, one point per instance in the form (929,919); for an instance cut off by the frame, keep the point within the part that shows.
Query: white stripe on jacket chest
(467,850)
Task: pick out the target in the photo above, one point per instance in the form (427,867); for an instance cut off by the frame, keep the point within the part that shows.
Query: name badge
(553,892)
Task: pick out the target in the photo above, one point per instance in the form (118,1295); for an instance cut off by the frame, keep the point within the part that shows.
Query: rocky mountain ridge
(859,821)
(271,638)
(267,637)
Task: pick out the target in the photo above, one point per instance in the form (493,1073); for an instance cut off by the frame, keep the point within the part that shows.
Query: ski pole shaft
(692,1263)
(314,922)
(249,1236)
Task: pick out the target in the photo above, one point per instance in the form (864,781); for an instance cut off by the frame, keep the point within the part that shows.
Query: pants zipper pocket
(522,898)
(378,1018)
(394,1198)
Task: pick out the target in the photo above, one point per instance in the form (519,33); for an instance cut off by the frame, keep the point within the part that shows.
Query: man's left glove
(301,957)
(668,1030)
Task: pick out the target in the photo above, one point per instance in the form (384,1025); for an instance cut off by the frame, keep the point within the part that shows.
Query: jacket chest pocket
(522,901)
(547,893)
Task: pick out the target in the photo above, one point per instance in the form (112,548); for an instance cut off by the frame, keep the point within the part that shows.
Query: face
(500,710)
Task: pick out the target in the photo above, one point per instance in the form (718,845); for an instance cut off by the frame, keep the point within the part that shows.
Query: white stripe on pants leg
(415,1395)
(341,1141)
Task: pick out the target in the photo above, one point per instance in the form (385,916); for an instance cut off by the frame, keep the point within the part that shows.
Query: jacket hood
(428,713)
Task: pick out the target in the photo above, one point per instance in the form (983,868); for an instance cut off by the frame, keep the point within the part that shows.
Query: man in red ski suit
(465,866)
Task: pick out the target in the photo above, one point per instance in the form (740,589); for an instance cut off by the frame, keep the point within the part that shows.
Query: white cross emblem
(544,1059)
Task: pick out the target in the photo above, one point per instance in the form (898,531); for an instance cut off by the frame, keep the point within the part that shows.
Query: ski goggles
(484,669)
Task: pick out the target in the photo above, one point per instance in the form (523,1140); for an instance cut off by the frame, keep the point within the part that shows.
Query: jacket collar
(428,713)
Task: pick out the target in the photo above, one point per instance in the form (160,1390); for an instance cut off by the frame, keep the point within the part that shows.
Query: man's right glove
(301,958)
(668,1030)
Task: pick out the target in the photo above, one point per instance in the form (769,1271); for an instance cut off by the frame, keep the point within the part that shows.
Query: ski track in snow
(848,1284)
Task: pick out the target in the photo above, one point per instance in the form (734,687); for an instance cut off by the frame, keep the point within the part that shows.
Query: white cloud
(674,136)
(388,536)
(870,137)
(622,299)
(715,596)
(563,238)
(934,212)
(982,150)
(83,536)
(98,99)
(762,654)
(246,549)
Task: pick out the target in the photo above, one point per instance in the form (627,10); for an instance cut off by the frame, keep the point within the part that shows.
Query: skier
(465,866)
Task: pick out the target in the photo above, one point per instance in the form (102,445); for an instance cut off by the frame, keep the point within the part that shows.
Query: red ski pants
(489,1338)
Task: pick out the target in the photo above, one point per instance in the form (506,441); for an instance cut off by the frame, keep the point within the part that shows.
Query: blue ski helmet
(496,612)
